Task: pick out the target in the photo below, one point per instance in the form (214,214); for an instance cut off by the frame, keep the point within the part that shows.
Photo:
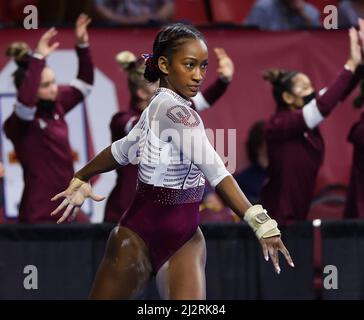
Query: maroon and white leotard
(174,156)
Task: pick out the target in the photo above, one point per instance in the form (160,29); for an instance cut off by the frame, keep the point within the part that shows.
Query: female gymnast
(141,92)
(159,234)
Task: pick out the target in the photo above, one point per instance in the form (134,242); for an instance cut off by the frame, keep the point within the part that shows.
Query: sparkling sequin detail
(168,196)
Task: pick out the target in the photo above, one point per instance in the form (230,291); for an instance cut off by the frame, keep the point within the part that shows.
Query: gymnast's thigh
(182,277)
(125,269)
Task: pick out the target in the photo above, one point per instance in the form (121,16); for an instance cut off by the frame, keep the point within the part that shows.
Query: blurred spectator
(295,145)
(37,126)
(251,179)
(349,11)
(277,15)
(119,12)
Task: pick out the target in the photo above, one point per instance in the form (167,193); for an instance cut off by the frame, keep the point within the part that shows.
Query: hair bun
(125,59)
(17,50)
(272,75)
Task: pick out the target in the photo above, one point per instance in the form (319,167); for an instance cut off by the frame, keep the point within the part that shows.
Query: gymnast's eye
(204,65)
(190,65)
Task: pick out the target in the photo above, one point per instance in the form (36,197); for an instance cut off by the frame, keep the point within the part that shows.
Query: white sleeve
(204,156)
(184,128)
(311,112)
(129,124)
(125,150)
(200,102)
(24,112)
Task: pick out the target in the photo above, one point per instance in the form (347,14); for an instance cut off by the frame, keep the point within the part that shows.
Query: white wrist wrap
(261,223)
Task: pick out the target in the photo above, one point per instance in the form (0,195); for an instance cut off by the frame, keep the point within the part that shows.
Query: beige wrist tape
(261,223)
(76,182)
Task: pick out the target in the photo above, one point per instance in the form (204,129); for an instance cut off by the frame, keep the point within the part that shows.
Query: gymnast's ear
(163,64)
(287,97)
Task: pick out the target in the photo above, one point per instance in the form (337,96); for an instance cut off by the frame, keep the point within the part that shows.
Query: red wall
(320,54)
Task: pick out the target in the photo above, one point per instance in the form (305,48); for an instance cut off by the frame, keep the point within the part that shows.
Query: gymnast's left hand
(271,247)
(75,195)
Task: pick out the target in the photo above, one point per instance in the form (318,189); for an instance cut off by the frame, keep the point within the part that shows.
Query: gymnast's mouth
(194,88)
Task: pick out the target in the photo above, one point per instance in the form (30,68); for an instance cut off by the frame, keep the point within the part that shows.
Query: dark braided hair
(281,81)
(165,44)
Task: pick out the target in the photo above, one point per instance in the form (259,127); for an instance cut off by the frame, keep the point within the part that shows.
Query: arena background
(67,256)
(320,54)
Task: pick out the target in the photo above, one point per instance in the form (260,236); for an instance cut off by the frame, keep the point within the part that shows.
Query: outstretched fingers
(265,251)
(54,46)
(96,197)
(286,254)
(87,21)
(83,19)
(271,247)
(59,195)
(60,207)
(65,215)
(50,33)
(220,53)
(361,24)
(361,30)
(273,252)
(354,38)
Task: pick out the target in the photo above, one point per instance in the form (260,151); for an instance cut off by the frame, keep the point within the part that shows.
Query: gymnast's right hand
(75,195)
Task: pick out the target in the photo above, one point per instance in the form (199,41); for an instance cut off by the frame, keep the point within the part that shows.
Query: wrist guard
(262,225)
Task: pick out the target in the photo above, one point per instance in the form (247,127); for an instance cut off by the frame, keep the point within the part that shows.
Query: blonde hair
(19,51)
(135,69)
